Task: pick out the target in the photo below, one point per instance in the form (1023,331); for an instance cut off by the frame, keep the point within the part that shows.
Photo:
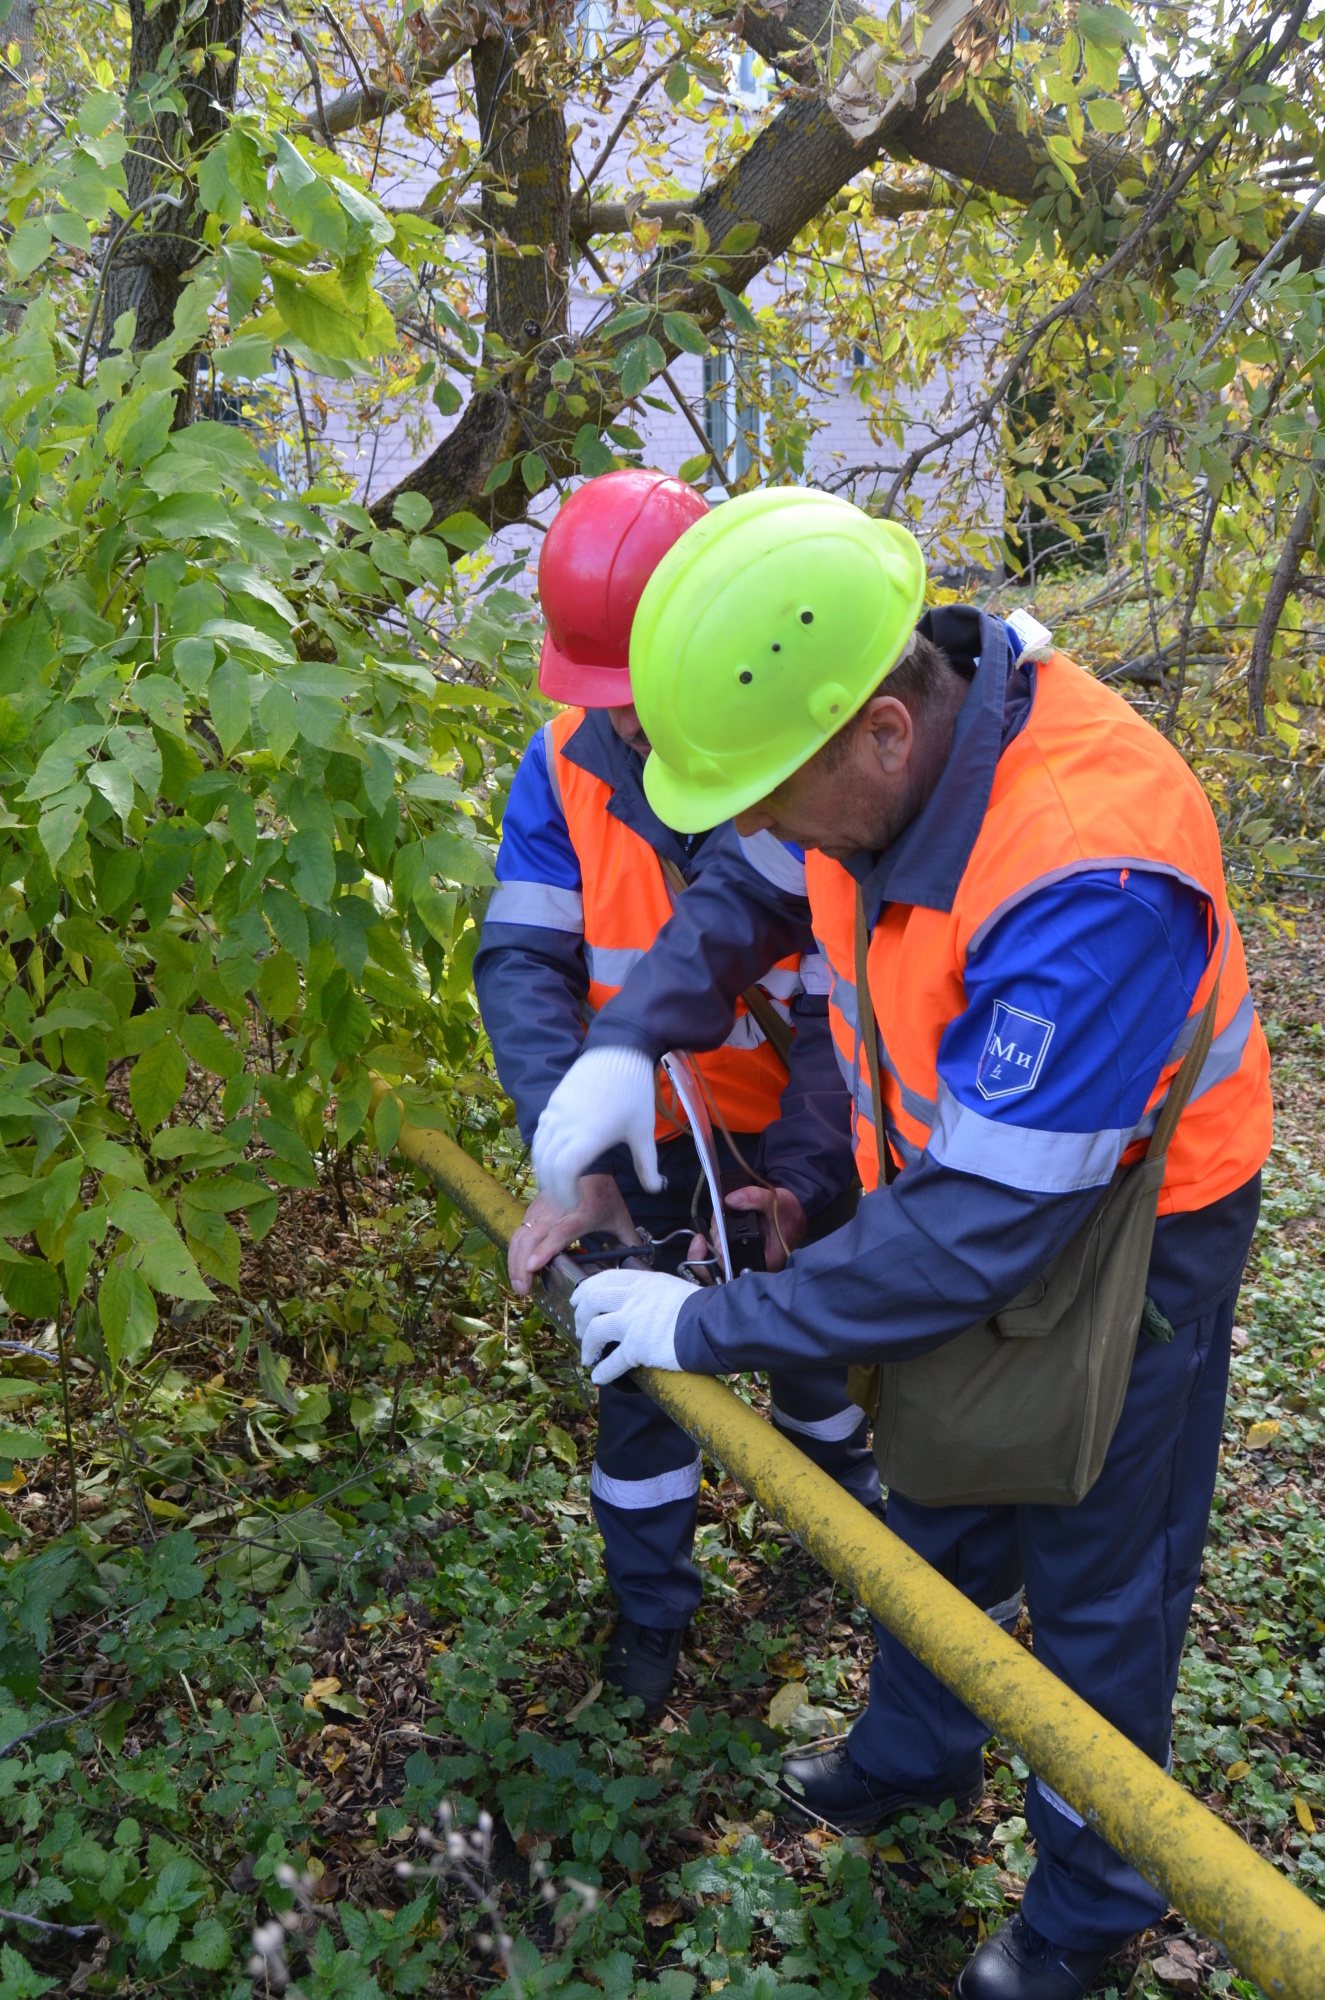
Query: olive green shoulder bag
(1023,1407)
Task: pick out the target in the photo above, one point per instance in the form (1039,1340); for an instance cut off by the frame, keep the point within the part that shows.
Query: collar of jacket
(926,863)
(596,748)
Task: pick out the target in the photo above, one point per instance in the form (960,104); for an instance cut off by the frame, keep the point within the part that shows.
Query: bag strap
(1184,1082)
(777,1033)
(870,1037)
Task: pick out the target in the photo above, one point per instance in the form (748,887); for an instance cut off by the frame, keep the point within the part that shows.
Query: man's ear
(887,733)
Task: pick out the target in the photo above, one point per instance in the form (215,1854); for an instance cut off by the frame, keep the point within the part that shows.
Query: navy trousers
(1109,1584)
(646,1471)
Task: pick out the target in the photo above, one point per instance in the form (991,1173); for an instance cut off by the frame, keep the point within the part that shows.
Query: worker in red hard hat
(587,876)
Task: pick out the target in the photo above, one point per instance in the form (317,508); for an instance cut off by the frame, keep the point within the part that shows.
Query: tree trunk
(527,154)
(149,270)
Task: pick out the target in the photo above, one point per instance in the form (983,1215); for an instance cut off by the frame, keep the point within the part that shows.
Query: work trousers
(1109,1586)
(646,1472)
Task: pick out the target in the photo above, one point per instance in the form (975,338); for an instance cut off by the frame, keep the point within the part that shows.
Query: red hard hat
(597,557)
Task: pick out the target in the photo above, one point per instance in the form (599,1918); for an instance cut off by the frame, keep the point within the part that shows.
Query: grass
(335,1570)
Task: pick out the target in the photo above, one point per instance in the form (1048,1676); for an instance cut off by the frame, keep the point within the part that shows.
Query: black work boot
(1016,1963)
(835,1791)
(641,1660)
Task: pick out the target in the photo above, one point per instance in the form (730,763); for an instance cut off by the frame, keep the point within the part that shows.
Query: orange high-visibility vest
(1086,786)
(626,903)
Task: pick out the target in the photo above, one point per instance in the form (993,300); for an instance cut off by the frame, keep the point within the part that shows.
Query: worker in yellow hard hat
(1060,1099)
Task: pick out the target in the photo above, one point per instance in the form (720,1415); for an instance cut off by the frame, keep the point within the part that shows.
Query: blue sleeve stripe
(536,846)
(1096,865)
(541,905)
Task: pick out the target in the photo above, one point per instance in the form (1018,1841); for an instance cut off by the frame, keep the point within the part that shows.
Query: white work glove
(639,1309)
(604,1100)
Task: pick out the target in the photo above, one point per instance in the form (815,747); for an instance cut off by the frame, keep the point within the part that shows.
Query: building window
(733,424)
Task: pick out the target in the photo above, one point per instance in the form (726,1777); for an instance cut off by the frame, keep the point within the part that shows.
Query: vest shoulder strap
(869,1036)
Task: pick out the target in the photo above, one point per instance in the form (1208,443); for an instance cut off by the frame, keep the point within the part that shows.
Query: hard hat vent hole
(807,618)
(777,646)
(746,677)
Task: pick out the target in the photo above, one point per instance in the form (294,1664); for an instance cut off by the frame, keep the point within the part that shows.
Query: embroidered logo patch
(1014,1052)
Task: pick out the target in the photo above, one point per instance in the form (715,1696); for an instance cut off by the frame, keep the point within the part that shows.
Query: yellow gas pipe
(1268,1928)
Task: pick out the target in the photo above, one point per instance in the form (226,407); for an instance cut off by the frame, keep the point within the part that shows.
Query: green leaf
(387,1121)
(156,1083)
(737,310)
(210,1048)
(459,860)
(280,720)
(169,1267)
(318,312)
(273,1379)
(437,911)
(208,1947)
(29,246)
(127,1312)
(499,475)
(115,783)
(533,472)
(313,860)
(685,332)
(228,702)
(740,239)
(412,511)
(463,531)
(352,1103)
(1106,114)
(246,359)
(677,85)
(220,196)
(138,1216)
(1106,25)
(278,988)
(30,1285)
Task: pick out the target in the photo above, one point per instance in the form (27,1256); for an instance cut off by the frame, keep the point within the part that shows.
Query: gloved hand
(604,1099)
(637,1308)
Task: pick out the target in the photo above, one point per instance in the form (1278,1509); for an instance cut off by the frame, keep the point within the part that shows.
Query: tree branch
(440,42)
(1276,597)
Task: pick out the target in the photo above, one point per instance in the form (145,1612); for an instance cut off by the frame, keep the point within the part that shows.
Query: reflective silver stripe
(539,904)
(844,999)
(609,967)
(1050,1797)
(1099,864)
(769,858)
(1224,1060)
(1010,1608)
(746,1033)
(862,1104)
(816,972)
(829,1430)
(553,775)
(782,982)
(1019,1156)
(632,1494)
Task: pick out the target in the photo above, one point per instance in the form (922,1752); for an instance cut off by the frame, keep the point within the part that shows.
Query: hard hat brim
(690,808)
(583,686)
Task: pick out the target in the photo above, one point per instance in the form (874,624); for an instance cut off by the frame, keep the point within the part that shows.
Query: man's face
(627,726)
(855,795)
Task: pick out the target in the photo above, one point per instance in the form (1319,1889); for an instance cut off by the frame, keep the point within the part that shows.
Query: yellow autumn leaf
(1261,1434)
(890,1854)
(538,1708)
(1304,1818)
(164,1510)
(333,1757)
(320,1689)
(1237,1771)
(794,1695)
